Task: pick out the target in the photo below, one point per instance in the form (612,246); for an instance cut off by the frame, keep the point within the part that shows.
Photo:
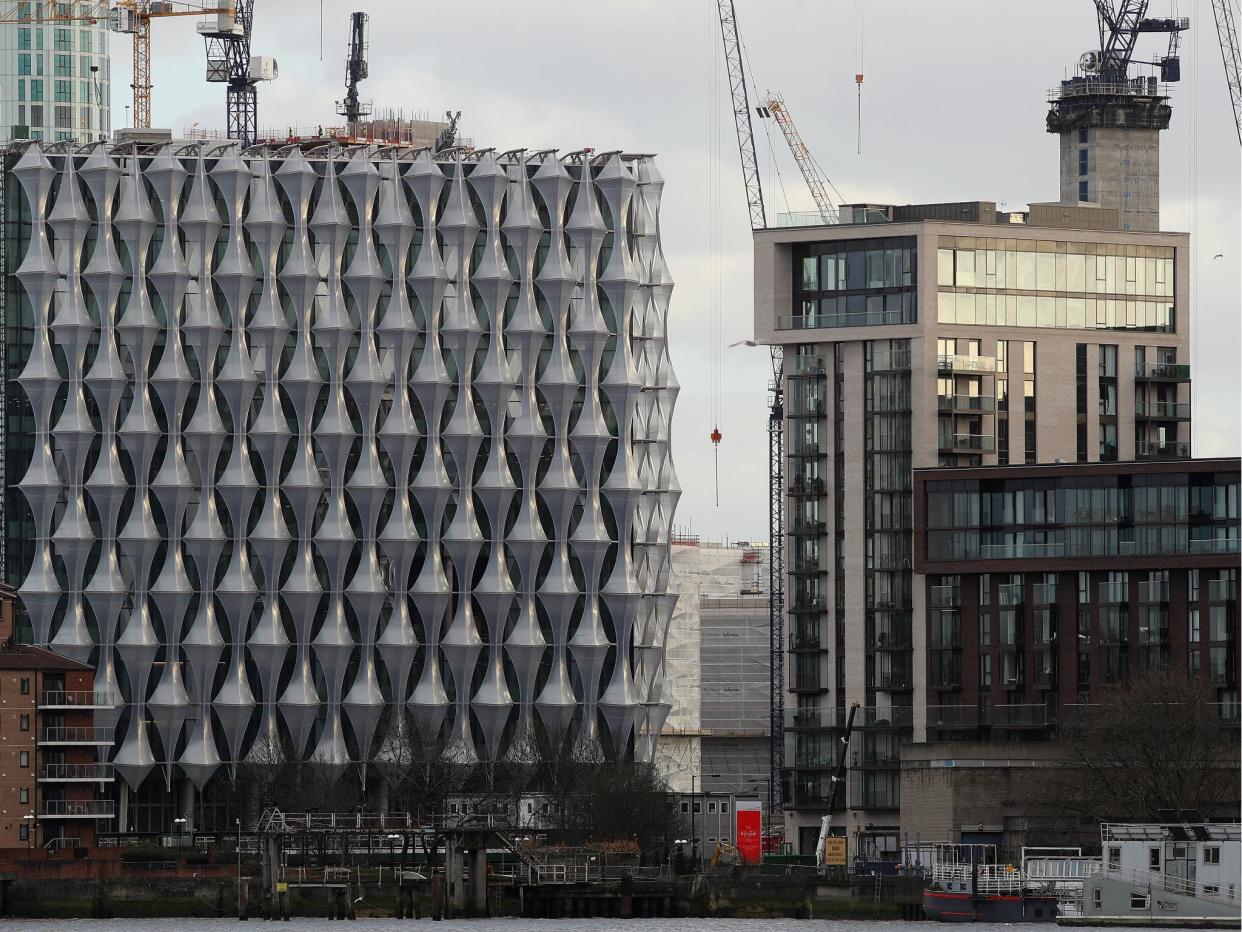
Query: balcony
(898,716)
(808,605)
(77,809)
(1213,545)
(1009,595)
(1163,411)
(1044,594)
(1222,590)
(808,526)
(952,717)
(801,486)
(806,684)
(1021,716)
(76,699)
(804,641)
(856,319)
(967,364)
(1162,449)
(891,640)
(76,734)
(809,718)
(893,681)
(965,404)
(967,443)
(946,597)
(76,773)
(1113,593)
(804,367)
(1162,372)
(1153,591)
(805,567)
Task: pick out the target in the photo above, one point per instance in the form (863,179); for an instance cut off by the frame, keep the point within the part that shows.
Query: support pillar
(122,807)
(454,875)
(188,809)
(478,880)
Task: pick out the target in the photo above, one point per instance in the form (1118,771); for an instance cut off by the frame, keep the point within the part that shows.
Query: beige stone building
(938,335)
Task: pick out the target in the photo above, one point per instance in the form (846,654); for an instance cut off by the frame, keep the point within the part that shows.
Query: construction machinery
(133,17)
(834,787)
(356,72)
(229,62)
(773,106)
(1227,32)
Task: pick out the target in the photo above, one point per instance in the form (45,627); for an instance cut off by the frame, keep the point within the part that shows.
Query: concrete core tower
(1110,122)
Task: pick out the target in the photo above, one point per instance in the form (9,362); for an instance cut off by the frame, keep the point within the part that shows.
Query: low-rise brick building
(53,782)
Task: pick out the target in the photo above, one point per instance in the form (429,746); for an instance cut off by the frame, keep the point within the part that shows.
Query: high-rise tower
(1110,122)
(54,80)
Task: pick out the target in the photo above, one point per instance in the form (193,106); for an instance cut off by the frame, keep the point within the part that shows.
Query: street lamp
(180,823)
(239,905)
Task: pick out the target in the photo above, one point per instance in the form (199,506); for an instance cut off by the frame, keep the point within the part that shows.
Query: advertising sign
(749,830)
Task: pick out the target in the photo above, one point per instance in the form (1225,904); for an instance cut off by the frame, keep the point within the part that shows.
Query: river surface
(495,925)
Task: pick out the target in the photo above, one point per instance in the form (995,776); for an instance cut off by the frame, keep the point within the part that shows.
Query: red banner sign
(749,831)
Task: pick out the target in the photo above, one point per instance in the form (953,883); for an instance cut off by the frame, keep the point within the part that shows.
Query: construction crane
(774,106)
(229,62)
(1120,27)
(355,72)
(1227,32)
(838,781)
(776,420)
(133,17)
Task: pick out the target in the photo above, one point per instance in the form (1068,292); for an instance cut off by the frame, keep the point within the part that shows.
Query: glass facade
(1083,516)
(1047,283)
(55,79)
(853,284)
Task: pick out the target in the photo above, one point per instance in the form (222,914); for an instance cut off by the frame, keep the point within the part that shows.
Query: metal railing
(75,734)
(946,596)
(976,404)
(72,772)
(1160,449)
(1024,715)
(1009,595)
(76,699)
(958,363)
(829,321)
(1213,545)
(1164,410)
(1113,593)
(1157,880)
(804,365)
(1044,594)
(1176,372)
(1222,590)
(85,808)
(1153,590)
(978,442)
(952,716)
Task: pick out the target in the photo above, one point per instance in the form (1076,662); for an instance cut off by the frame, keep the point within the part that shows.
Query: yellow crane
(132,17)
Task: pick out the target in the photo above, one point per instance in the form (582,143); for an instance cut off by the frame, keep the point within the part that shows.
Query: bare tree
(417,769)
(1154,743)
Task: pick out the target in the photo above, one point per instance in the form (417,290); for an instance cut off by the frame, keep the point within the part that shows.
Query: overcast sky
(954,101)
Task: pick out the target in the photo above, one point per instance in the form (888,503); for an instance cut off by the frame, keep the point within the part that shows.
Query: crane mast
(741,114)
(774,104)
(776,421)
(1227,32)
(356,71)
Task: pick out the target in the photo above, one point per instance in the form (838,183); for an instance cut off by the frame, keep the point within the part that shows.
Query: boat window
(1211,855)
(1096,896)
(1211,890)
(1138,901)
(1114,858)
(1153,858)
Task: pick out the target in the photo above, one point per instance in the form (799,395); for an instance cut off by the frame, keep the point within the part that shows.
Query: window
(1114,858)
(711,807)
(23,759)
(23,795)
(1138,900)
(1153,858)
(63,40)
(698,806)
(23,832)
(685,807)
(1211,855)
(23,64)
(1082,191)
(24,722)
(1082,162)
(36,90)
(24,686)
(1095,899)
(62,66)
(1210,889)
(23,37)
(62,91)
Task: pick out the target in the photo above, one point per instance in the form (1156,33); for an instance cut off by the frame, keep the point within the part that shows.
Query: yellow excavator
(725,854)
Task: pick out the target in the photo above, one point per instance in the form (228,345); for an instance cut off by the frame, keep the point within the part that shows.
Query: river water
(493,925)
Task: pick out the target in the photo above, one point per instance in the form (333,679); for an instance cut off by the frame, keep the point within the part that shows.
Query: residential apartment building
(54,775)
(1046,585)
(55,76)
(938,335)
(376,439)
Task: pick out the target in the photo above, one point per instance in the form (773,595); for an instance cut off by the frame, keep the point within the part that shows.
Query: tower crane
(1227,32)
(356,72)
(776,420)
(774,106)
(229,62)
(133,17)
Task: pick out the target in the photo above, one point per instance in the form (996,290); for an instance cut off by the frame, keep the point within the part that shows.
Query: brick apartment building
(52,781)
